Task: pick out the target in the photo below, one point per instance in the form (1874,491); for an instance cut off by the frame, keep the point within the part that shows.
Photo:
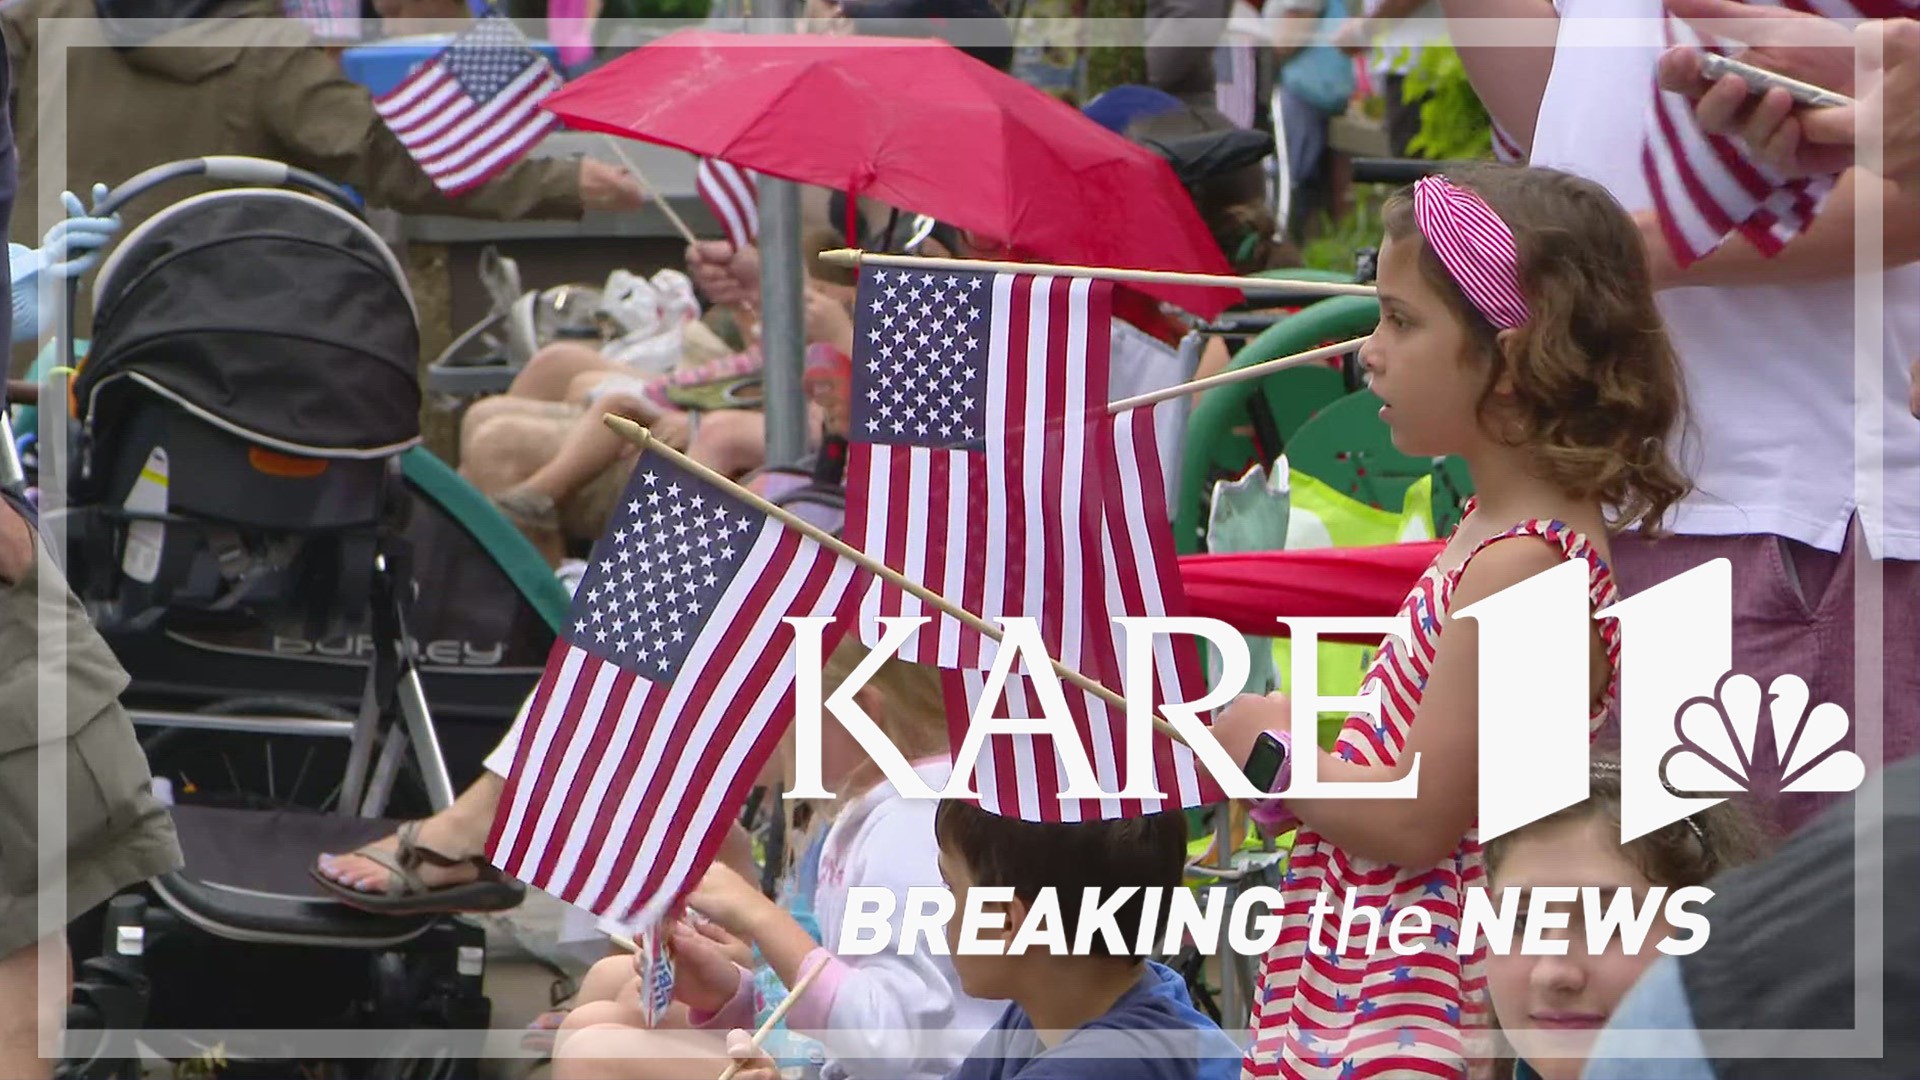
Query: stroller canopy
(272,314)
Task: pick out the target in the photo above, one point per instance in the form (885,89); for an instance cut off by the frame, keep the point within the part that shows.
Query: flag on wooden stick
(976,399)
(984,465)
(473,110)
(1136,574)
(663,698)
(733,194)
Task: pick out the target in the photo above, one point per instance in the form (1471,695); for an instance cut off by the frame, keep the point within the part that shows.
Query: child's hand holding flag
(708,962)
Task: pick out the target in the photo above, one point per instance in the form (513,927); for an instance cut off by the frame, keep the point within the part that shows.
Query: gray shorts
(116,833)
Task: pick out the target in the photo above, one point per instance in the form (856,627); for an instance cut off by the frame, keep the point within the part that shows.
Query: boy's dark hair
(1029,856)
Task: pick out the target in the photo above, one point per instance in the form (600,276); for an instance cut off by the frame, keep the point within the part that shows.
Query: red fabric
(1143,313)
(1250,591)
(916,124)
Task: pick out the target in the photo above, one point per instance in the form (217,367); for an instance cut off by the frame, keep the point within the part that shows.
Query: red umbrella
(916,124)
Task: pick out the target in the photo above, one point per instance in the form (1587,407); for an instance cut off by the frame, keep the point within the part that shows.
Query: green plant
(1454,126)
(1109,63)
(1335,245)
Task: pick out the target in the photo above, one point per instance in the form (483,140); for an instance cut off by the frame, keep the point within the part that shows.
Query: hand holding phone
(1770,124)
(1714,67)
(1270,767)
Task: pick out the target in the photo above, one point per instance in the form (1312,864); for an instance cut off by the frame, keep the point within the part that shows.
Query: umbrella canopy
(916,124)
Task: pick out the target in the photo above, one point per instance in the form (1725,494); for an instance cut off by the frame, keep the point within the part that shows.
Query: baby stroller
(239,475)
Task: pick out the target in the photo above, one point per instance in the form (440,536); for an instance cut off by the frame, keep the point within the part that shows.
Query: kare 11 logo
(1689,724)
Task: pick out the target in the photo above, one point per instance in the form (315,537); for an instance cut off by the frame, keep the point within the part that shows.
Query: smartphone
(1715,66)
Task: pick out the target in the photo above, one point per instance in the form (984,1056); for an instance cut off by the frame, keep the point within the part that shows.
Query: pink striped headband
(1475,246)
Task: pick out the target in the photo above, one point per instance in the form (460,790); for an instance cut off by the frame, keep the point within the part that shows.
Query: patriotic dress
(1354,1014)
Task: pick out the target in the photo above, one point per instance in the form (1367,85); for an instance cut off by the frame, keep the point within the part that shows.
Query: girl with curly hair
(1517,331)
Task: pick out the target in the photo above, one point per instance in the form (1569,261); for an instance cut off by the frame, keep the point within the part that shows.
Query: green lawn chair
(1347,446)
(1219,446)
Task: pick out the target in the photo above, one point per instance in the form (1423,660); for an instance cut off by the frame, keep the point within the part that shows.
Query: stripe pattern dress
(1349,1014)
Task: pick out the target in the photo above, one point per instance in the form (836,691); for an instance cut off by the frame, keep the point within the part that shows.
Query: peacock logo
(1718,735)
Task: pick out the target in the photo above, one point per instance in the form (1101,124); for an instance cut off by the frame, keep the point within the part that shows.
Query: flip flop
(407,894)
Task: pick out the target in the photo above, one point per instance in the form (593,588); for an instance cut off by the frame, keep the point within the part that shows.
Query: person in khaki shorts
(117,833)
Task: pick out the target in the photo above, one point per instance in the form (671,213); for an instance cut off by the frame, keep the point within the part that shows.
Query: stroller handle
(246,170)
(230,168)
(233,169)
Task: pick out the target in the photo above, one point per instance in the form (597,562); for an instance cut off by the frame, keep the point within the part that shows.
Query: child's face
(1417,361)
(989,978)
(1552,1007)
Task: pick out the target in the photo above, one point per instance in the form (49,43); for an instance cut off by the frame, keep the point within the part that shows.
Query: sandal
(529,511)
(407,894)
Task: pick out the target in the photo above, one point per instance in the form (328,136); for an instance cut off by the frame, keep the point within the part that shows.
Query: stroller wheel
(250,770)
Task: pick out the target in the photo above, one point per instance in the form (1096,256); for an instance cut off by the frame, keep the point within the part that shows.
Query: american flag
(1021,775)
(1706,187)
(474,109)
(976,399)
(663,698)
(984,465)
(733,195)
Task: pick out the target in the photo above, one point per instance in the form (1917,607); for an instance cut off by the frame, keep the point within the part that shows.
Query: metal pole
(782,311)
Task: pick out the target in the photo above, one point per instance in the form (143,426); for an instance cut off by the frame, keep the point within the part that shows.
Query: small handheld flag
(664,696)
(473,110)
(733,194)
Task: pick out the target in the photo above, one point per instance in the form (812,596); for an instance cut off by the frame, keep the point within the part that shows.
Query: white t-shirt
(1770,370)
(883,840)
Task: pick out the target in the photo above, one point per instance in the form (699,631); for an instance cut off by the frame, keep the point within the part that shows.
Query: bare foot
(441,833)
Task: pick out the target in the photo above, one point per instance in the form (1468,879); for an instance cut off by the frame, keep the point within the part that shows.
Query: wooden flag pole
(856,257)
(641,437)
(651,192)
(779,1013)
(1225,378)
